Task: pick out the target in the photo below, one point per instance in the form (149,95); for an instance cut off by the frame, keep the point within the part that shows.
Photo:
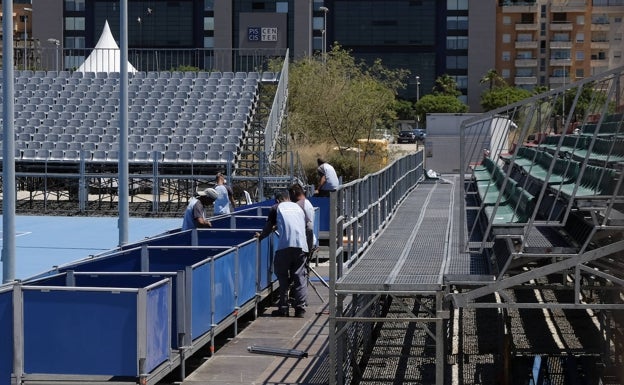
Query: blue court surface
(46,241)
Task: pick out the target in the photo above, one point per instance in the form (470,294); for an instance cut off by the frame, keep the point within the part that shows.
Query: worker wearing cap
(195,213)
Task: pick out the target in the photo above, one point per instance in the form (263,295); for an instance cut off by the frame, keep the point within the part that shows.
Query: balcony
(600,27)
(600,45)
(525,80)
(508,6)
(560,26)
(560,44)
(524,44)
(558,80)
(527,26)
(557,62)
(525,62)
(599,62)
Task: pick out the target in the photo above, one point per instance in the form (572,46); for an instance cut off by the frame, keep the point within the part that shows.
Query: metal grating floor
(413,252)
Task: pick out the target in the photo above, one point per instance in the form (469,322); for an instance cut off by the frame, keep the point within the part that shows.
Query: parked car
(406,136)
(420,134)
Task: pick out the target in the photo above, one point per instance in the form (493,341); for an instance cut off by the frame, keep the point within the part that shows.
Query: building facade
(530,43)
(553,42)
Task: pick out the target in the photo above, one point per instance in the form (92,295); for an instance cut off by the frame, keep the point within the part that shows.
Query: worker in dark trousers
(290,256)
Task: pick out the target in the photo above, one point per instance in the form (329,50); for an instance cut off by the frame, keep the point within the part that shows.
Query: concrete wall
(442,144)
(481,47)
(42,31)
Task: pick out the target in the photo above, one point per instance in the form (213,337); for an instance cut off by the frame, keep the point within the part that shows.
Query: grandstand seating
(83,108)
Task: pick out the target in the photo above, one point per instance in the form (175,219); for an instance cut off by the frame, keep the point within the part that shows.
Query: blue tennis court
(46,241)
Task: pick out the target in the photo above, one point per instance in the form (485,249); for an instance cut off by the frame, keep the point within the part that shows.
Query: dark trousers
(290,266)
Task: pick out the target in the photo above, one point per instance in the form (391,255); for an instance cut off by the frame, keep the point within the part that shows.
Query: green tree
(439,103)
(446,85)
(502,96)
(340,101)
(493,79)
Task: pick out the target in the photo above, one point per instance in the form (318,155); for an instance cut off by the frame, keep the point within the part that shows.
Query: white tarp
(105,57)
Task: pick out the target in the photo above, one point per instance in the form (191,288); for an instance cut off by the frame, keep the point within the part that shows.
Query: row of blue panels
(130,312)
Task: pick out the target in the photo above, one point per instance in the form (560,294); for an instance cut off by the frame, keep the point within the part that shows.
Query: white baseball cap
(209,192)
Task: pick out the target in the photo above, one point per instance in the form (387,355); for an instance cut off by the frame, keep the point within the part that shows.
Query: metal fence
(358,212)
(41,58)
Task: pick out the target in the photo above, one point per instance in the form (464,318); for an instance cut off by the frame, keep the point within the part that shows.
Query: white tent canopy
(105,57)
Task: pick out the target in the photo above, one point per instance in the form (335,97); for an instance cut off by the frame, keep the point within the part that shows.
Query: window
(506,38)
(462,81)
(505,73)
(525,55)
(527,18)
(208,41)
(74,23)
(561,37)
(208,23)
(457,42)
(580,20)
(457,62)
(281,7)
(580,37)
(457,22)
(506,56)
(317,23)
(560,54)
(77,42)
(75,5)
(580,55)
(579,73)
(457,5)
(208,5)
(559,17)
(524,72)
(617,55)
(506,20)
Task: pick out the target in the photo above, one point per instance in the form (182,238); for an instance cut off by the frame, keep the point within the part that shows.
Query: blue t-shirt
(222,203)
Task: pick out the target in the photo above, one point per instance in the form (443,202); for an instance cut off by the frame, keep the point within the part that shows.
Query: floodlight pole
(26,9)
(324,39)
(123,125)
(8,148)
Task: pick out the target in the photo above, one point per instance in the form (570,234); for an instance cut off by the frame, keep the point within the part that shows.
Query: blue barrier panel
(174,259)
(62,325)
(6,331)
(245,222)
(80,332)
(157,327)
(265,262)
(247,272)
(201,294)
(182,238)
(126,260)
(323,213)
(215,237)
(223,285)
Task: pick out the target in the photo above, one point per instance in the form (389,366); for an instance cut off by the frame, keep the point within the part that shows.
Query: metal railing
(358,212)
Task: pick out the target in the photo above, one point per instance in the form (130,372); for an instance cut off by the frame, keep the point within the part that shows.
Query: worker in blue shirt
(289,263)
(195,213)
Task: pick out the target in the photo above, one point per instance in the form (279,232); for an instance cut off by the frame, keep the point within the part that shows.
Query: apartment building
(553,42)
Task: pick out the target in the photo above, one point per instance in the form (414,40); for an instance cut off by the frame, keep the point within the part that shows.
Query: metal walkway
(412,253)
(408,265)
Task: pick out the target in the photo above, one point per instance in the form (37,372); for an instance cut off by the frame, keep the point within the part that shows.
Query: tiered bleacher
(174,117)
(547,190)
